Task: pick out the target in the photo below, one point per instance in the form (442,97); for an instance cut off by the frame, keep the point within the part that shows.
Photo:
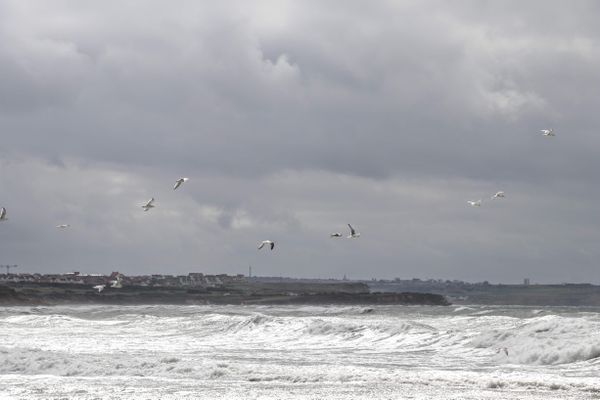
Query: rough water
(299,352)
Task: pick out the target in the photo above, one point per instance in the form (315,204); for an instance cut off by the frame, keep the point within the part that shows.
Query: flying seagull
(498,194)
(353,233)
(3,214)
(547,132)
(335,235)
(63,226)
(474,203)
(117,283)
(267,242)
(179,182)
(148,205)
(99,288)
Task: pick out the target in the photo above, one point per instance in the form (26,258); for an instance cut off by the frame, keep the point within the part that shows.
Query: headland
(24,289)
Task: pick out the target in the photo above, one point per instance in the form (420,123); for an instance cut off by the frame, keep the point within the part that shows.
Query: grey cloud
(294,119)
(431,86)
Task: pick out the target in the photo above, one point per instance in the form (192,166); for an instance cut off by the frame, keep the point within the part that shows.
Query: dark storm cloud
(293,119)
(387,82)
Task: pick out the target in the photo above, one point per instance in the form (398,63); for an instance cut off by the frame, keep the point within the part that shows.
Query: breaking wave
(314,346)
(546,340)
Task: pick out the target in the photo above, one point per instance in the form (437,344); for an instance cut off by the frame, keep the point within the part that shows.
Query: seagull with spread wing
(547,132)
(268,243)
(99,288)
(148,205)
(179,182)
(353,233)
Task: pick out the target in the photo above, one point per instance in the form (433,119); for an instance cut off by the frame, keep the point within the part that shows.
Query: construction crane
(8,267)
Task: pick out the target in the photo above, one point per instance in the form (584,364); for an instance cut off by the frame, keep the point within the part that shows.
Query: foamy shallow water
(387,352)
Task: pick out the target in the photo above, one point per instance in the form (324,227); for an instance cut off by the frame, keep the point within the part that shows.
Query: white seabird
(267,242)
(476,203)
(353,233)
(179,182)
(63,226)
(117,284)
(3,214)
(148,205)
(335,235)
(99,288)
(547,132)
(498,194)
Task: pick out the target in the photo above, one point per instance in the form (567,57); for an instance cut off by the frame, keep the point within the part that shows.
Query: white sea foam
(462,308)
(546,340)
(299,352)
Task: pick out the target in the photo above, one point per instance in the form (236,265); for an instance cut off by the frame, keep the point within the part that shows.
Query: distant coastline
(198,288)
(484,293)
(194,289)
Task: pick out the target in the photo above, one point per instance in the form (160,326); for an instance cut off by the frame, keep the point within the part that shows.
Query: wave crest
(546,340)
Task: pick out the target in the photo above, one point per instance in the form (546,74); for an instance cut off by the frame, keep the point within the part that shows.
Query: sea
(299,352)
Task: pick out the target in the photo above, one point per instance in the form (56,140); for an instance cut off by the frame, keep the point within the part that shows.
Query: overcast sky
(292,119)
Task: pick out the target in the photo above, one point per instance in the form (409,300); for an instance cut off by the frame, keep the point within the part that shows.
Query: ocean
(299,352)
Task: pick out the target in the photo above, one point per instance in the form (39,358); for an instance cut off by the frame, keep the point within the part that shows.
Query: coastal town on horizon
(193,279)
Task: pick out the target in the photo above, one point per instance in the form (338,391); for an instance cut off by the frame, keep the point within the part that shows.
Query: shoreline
(33,295)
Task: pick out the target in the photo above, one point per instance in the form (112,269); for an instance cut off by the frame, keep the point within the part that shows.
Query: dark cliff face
(576,295)
(80,294)
(364,298)
(6,291)
(9,296)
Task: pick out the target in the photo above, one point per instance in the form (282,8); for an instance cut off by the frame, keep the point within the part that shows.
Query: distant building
(526,282)
(117,279)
